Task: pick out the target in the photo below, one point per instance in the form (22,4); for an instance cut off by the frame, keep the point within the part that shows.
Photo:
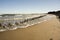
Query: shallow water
(28,23)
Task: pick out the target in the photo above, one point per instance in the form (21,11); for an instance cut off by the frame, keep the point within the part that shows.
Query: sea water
(24,24)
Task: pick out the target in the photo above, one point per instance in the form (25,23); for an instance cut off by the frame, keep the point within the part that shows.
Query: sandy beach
(47,30)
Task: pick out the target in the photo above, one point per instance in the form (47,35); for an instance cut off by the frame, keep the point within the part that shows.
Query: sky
(28,6)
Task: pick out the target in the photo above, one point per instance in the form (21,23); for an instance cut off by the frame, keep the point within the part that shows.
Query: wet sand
(43,31)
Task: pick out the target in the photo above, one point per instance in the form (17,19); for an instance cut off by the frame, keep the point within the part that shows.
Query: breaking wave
(6,23)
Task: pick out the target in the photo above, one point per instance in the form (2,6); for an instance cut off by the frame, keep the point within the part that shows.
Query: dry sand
(43,31)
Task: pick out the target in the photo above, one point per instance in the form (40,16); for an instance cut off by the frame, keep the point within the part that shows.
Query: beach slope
(47,30)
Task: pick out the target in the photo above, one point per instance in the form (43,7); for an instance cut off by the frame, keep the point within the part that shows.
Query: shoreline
(42,31)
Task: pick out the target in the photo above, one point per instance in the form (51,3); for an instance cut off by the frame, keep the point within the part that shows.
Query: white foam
(30,23)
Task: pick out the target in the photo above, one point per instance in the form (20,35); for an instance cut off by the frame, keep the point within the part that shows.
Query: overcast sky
(28,6)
